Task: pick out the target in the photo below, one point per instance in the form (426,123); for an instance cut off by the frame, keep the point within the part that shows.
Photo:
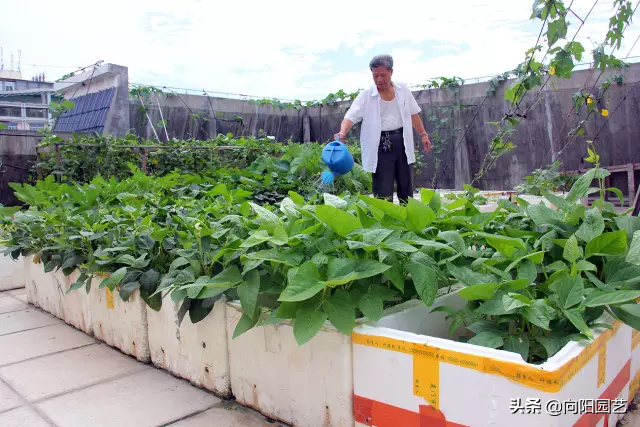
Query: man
(388,112)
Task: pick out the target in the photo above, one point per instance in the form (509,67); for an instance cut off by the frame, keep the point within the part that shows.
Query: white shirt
(366,108)
(390,115)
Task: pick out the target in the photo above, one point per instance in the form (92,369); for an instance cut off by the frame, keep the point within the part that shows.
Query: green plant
(551,275)
(548,178)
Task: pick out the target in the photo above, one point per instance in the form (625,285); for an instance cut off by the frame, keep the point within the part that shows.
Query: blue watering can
(339,160)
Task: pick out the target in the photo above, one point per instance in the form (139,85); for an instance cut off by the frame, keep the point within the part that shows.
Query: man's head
(382,69)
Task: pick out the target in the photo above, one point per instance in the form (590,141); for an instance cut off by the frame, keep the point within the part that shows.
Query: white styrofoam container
(42,289)
(407,372)
(120,324)
(47,291)
(196,352)
(11,273)
(74,304)
(309,385)
(634,386)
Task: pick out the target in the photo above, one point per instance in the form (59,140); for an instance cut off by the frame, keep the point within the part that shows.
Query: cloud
(284,49)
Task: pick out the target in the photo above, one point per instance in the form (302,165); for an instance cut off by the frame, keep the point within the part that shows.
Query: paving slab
(38,342)
(149,398)
(22,417)
(226,414)
(21,297)
(7,305)
(17,292)
(25,320)
(8,399)
(71,370)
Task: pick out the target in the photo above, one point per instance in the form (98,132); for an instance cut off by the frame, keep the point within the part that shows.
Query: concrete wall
(18,156)
(538,139)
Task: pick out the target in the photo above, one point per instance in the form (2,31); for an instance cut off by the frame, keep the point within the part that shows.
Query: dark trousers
(392,168)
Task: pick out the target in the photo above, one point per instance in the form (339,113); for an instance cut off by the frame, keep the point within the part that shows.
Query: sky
(285,49)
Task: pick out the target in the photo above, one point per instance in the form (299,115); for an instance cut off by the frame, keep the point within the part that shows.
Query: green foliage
(547,179)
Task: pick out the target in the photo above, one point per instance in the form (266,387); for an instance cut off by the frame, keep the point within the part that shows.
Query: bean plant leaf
(454,239)
(244,324)
(571,250)
(419,215)
(487,339)
(569,290)
(633,256)
(127,289)
(629,314)
(534,257)
(344,270)
(538,313)
(592,227)
(518,344)
(394,211)
(114,280)
(304,284)
(248,291)
(341,311)
(481,291)
(425,281)
(576,317)
(307,324)
(607,244)
(371,306)
(551,344)
(396,275)
(338,220)
(599,298)
(468,276)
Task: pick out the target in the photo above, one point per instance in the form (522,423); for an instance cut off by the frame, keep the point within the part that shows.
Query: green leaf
(598,297)
(419,215)
(583,265)
(580,188)
(396,275)
(339,221)
(556,30)
(551,344)
(371,306)
(571,250)
(394,211)
(633,256)
(454,239)
(577,319)
(515,285)
(482,291)
(256,238)
(569,290)
(178,262)
(297,199)
(304,284)
(629,314)
(248,291)
(341,312)
(344,270)
(376,236)
(607,244)
(487,326)
(468,276)
(505,245)
(527,271)
(618,193)
(535,257)
(517,344)
(114,280)
(592,227)
(307,324)
(127,289)
(487,339)
(513,301)
(425,281)
(538,313)
(398,246)
(543,216)
(244,324)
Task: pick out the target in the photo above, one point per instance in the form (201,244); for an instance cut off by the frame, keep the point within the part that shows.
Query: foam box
(407,372)
(120,324)
(42,289)
(196,352)
(305,386)
(11,273)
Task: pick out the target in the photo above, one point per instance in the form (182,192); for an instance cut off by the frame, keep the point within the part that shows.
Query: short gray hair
(385,61)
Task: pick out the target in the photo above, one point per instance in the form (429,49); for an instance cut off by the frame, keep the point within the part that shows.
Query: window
(37,113)
(10,112)
(9,86)
(36,126)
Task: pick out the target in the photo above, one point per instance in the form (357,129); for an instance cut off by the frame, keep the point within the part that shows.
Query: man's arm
(345,127)
(416,121)
(354,115)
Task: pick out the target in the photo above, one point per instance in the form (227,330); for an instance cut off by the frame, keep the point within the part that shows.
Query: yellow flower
(589,100)
(605,113)
(552,70)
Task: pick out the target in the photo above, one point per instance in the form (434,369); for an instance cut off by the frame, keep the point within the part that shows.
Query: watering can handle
(338,137)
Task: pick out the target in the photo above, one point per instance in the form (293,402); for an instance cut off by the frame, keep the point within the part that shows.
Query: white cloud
(279,49)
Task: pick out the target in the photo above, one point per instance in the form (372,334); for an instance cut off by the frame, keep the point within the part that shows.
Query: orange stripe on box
(635,339)
(379,414)
(612,392)
(527,375)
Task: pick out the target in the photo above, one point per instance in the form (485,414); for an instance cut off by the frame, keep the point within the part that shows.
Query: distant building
(24,104)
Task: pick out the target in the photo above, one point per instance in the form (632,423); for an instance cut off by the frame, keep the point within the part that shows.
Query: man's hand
(340,136)
(426,142)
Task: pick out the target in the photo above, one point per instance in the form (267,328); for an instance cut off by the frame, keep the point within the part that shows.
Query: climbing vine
(564,57)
